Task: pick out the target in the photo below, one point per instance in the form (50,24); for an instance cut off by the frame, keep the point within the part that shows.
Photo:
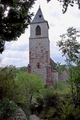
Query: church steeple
(39,48)
(38,17)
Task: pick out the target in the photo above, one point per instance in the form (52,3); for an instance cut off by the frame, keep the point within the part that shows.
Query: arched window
(38,30)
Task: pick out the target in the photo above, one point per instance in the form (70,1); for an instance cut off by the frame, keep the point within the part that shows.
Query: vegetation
(56,103)
(7,109)
(71,50)
(14,18)
(17,87)
(31,83)
(65,4)
(20,89)
(59,102)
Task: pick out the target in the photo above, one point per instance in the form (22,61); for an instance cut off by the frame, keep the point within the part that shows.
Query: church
(39,50)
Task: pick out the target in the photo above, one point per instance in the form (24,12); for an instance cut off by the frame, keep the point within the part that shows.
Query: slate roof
(38,17)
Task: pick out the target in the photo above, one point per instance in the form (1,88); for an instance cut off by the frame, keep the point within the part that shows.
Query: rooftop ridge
(39,16)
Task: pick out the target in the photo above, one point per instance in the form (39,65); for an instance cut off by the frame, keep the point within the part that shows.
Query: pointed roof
(38,17)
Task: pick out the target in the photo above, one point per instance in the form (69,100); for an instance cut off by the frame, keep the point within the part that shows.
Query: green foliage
(31,83)
(52,101)
(58,85)
(39,103)
(60,68)
(51,98)
(69,45)
(47,104)
(23,69)
(43,114)
(7,76)
(74,81)
(71,50)
(7,109)
(8,87)
(66,3)
(65,95)
(17,19)
(56,104)
(51,113)
(20,87)
(67,112)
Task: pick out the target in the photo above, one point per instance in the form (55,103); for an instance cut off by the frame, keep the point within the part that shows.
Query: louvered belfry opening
(38,30)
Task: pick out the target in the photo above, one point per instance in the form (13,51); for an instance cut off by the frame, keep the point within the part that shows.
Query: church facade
(39,50)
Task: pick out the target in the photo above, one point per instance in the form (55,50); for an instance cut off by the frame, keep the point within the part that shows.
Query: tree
(69,45)
(60,68)
(71,50)
(66,3)
(8,109)
(32,83)
(23,69)
(76,81)
(9,88)
(14,18)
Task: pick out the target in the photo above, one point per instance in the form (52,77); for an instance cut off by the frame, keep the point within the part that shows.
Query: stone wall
(54,76)
(63,77)
(43,26)
(39,56)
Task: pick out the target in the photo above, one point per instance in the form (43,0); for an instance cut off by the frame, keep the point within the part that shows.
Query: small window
(38,65)
(38,30)
(39,16)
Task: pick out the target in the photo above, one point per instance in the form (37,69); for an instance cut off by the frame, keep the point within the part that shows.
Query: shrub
(7,76)
(67,111)
(58,85)
(51,98)
(7,109)
(31,83)
(65,95)
(40,103)
(51,113)
(43,114)
(9,87)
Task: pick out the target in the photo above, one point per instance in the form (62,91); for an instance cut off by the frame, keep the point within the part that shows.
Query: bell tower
(39,47)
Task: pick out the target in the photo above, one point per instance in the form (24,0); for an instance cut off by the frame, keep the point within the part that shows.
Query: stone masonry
(39,50)
(39,47)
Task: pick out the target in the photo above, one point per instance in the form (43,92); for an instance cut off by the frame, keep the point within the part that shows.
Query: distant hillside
(16,67)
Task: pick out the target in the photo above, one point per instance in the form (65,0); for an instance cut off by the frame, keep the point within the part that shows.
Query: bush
(51,104)
(7,109)
(7,76)
(31,83)
(58,85)
(67,111)
(51,113)
(43,114)
(51,98)
(9,87)
(38,105)
(65,95)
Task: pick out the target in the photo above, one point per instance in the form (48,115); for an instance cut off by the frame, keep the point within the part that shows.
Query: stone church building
(39,50)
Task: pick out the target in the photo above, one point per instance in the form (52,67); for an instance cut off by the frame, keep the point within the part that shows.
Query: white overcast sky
(17,52)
